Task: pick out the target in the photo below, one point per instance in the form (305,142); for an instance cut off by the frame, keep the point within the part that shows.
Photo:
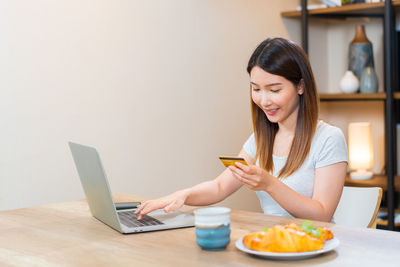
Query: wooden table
(65,234)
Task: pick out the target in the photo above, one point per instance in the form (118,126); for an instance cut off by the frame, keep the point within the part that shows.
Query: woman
(296,164)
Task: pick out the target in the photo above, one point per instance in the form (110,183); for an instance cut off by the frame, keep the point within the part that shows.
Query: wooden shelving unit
(353,97)
(390,97)
(377,180)
(356,9)
(384,224)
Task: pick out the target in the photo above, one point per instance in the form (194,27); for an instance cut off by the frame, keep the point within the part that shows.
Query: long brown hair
(281,57)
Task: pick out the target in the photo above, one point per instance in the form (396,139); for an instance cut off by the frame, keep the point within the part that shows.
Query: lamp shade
(361,154)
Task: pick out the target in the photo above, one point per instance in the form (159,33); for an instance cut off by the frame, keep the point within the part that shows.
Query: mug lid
(212,211)
(212,216)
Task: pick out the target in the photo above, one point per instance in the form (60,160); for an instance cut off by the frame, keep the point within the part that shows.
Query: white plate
(328,246)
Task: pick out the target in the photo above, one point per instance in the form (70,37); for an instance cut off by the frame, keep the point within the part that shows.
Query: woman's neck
(284,137)
(288,126)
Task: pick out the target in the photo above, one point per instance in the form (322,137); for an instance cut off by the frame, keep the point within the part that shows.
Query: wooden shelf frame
(353,97)
(377,180)
(362,9)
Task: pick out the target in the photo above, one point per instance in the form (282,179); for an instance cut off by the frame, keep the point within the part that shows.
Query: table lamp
(361,155)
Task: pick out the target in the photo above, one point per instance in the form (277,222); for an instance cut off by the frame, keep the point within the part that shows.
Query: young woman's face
(276,96)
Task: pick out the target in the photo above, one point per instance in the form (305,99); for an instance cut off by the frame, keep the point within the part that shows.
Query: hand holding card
(230,161)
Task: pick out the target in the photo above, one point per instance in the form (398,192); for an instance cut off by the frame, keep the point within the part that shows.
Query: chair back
(358,206)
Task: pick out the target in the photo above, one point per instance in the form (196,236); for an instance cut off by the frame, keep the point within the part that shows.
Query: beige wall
(159,87)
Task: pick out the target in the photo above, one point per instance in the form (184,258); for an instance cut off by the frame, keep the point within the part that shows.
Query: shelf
(387,12)
(383,222)
(353,97)
(352,9)
(377,180)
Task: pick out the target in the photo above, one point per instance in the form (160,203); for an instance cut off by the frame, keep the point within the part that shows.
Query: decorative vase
(349,83)
(360,52)
(369,81)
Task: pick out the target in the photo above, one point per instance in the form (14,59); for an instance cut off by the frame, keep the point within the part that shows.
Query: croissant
(326,234)
(288,238)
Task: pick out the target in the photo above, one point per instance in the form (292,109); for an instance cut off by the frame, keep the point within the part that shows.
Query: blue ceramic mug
(212,227)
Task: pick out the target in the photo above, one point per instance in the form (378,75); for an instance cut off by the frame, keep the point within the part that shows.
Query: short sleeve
(250,146)
(333,149)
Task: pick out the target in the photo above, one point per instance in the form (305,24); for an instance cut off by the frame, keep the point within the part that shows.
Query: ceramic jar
(360,52)
(349,83)
(369,81)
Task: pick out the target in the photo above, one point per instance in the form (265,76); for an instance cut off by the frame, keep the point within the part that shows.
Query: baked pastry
(289,238)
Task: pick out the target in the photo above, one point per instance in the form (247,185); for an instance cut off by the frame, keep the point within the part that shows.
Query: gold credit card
(229,161)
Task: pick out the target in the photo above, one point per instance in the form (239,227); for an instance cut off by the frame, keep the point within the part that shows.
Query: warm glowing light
(361,155)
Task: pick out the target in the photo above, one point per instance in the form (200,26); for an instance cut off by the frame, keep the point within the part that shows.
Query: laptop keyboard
(129,218)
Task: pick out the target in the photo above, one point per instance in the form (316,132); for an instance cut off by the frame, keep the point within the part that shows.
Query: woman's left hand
(252,176)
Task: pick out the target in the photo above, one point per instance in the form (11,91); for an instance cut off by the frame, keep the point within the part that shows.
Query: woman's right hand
(169,203)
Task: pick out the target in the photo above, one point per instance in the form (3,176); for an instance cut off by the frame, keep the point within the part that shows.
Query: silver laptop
(102,206)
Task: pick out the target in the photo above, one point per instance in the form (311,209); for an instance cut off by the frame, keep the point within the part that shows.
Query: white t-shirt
(328,147)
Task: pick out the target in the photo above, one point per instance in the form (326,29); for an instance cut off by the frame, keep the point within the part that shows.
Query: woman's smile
(271,112)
